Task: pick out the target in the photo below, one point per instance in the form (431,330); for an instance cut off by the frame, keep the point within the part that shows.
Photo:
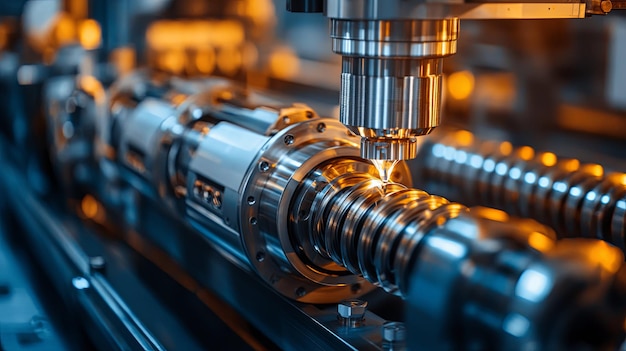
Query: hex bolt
(351,312)
(264,166)
(394,332)
(97,263)
(289,139)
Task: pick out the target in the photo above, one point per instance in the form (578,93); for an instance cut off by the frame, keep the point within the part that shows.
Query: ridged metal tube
(576,200)
(476,273)
(375,232)
(283,193)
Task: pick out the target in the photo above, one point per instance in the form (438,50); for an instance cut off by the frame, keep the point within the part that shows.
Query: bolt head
(289,139)
(264,166)
(394,331)
(352,308)
(97,263)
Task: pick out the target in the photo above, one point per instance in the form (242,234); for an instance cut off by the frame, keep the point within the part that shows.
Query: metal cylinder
(511,289)
(284,193)
(499,276)
(576,200)
(370,230)
(391,80)
(228,161)
(389,102)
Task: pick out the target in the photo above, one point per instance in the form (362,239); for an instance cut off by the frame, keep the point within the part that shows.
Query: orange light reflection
(540,242)
(89,34)
(461,85)
(548,159)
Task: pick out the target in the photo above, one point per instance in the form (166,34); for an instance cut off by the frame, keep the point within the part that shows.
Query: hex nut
(394,332)
(352,308)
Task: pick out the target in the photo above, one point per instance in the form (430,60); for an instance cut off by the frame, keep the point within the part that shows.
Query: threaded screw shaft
(576,200)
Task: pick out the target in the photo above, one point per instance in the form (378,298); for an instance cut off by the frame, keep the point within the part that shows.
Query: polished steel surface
(389,102)
(437,9)
(370,231)
(391,80)
(378,40)
(413,244)
(265,212)
(408,38)
(185,149)
(576,200)
(296,205)
(155,197)
(525,274)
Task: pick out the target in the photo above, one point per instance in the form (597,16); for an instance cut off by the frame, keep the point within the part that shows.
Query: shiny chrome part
(391,81)
(186,148)
(437,9)
(392,56)
(284,194)
(400,39)
(389,102)
(413,244)
(372,233)
(264,223)
(394,331)
(469,254)
(351,312)
(576,200)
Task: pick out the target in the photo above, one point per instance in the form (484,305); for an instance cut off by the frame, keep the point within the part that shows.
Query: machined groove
(576,200)
(374,230)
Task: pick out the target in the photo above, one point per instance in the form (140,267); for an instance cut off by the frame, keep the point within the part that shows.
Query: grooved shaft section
(373,232)
(576,200)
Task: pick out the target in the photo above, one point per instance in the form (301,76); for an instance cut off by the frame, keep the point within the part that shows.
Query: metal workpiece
(371,229)
(285,195)
(576,200)
(183,145)
(444,261)
(72,105)
(156,125)
(266,211)
(512,290)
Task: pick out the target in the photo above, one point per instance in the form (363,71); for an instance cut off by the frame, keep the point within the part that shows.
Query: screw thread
(375,232)
(576,200)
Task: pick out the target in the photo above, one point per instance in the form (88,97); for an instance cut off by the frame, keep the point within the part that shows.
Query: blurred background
(556,85)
